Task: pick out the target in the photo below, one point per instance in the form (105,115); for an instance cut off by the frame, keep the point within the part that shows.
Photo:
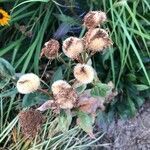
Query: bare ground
(132,134)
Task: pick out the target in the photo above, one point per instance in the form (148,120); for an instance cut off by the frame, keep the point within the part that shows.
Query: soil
(132,134)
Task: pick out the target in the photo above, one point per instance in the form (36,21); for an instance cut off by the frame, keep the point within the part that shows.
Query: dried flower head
(4,17)
(59,85)
(97,40)
(94,18)
(72,47)
(28,83)
(51,49)
(84,73)
(65,96)
(30,122)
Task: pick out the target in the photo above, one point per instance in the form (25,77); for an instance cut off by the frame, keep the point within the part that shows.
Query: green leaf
(65,120)
(34,98)
(139,101)
(29,1)
(67,19)
(141,87)
(85,122)
(6,72)
(131,77)
(131,106)
(102,120)
(8,93)
(126,108)
(100,89)
(81,88)
(58,75)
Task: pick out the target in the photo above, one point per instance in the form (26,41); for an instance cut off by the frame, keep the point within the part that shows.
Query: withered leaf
(30,122)
(50,104)
(90,104)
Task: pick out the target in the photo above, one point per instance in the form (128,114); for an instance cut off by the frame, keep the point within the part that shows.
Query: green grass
(126,63)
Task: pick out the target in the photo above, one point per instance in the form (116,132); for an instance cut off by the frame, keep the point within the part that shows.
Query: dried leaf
(50,104)
(90,104)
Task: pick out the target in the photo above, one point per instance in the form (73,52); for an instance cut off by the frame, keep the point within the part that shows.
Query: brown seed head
(30,121)
(97,40)
(51,49)
(94,18)
(66,98)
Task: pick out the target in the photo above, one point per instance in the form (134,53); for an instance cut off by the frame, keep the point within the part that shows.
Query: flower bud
(97,40)
(28,83)
(84,73)
(72,47)
(94,18)
(30,122)
(51,49)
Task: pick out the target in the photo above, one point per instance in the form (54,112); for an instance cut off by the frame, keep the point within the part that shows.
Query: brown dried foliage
(51,49)
(30,122)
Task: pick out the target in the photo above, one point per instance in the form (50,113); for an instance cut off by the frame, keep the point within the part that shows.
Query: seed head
(84,73)
(97,40)
(66,98)
(72,47)
(59,85)
(28,83)
(30,122)
(94,18)
(51,49)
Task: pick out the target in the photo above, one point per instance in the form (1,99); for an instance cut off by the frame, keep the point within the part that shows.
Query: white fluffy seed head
(84,73)
(28,83)
(97,40)
(72,47)
(58,85)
